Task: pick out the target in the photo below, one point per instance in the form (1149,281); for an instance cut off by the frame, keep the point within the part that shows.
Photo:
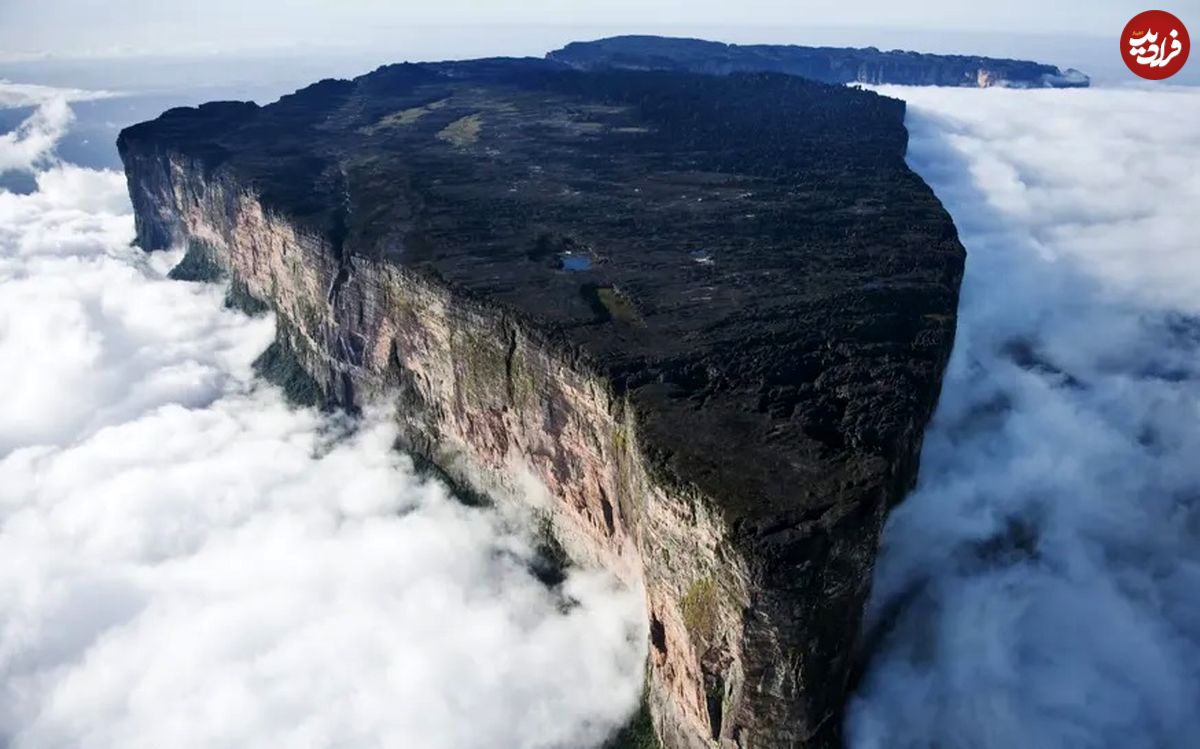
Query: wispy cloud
(1040,588)
(32,143)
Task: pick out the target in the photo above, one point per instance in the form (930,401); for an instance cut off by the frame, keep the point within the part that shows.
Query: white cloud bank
(187,562)
(1041,588)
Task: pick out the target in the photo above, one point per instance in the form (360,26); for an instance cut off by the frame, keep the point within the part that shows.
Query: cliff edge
(699,322)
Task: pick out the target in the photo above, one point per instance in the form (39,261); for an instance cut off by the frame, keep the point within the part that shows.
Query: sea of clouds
(186,561)
(1041,588)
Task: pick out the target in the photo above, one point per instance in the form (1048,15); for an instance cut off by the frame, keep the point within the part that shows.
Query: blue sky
(65,28)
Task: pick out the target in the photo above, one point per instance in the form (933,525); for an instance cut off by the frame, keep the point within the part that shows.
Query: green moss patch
(610,303)
(199,263)
(238,297)
(523,379)
(700,610)
(619,306)
(404,117)
(280,365)
(482,363)
(462,132)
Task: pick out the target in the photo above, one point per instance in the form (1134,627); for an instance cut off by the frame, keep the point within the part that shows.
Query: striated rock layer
(828,64)
(698,322)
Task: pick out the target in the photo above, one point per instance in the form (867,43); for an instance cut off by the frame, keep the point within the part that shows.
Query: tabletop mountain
(698,322)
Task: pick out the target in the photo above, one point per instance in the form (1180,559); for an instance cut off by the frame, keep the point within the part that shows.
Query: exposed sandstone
(719,403)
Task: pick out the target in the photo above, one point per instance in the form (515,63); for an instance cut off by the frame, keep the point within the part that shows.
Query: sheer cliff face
(828,64)
(705,357)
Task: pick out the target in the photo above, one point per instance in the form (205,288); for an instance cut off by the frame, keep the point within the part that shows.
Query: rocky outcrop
(698,323)
(828,64)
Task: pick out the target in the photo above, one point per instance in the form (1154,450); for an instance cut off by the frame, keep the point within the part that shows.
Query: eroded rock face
(699,323)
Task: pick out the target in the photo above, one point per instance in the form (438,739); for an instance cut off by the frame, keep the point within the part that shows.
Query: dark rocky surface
(746,262)
(828,64)
(812,329)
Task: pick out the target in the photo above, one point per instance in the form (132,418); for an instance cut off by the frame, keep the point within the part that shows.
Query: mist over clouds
(1041,588)
(189,562)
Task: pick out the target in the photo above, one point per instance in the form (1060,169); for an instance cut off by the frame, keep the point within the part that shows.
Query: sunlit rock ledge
(699,323)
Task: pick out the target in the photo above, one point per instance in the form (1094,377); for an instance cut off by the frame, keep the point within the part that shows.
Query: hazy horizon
(272,71)
(147,26)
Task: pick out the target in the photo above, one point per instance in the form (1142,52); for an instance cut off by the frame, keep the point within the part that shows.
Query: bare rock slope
(698,322)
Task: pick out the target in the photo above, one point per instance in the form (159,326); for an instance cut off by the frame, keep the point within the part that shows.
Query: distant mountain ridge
(826,64)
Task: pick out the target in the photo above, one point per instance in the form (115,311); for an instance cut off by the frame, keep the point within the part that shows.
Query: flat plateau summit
(698,322)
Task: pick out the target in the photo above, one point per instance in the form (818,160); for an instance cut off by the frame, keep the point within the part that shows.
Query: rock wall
(749,647)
